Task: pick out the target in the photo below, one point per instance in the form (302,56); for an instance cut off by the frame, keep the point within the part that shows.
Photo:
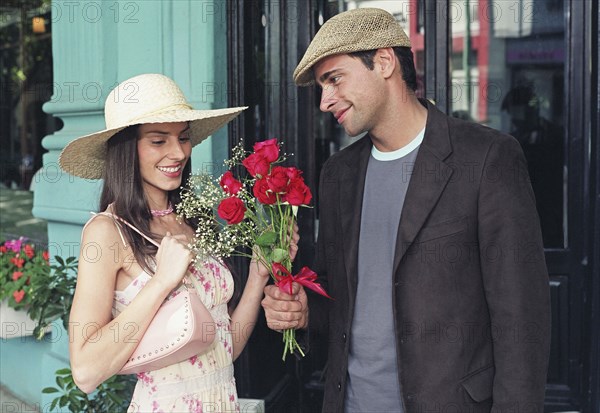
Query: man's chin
(354,133)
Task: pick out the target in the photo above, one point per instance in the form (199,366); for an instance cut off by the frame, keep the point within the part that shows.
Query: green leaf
(76,405)
(78,393)
(52,313)
(62,402)
(266,239)
(49,390)
(39,332)
(279,255)
(63,372)
(114,398)
(73,399)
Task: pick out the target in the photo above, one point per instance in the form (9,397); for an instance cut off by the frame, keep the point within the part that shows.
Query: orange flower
(18,295)
(16,275)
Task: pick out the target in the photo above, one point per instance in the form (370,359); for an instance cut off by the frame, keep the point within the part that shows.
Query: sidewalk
(9,403)
(16,219)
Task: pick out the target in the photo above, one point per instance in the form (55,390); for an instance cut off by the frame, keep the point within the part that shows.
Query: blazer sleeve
(317,304)
(318,307)
(515,279)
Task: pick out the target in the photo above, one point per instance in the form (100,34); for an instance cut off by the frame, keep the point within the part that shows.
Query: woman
(143,157)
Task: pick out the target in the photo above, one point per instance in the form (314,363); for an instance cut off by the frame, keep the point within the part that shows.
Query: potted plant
(33,293)
(51,295)
(20,263)
(112,395)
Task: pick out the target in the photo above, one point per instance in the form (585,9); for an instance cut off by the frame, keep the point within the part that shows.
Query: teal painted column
(95,45)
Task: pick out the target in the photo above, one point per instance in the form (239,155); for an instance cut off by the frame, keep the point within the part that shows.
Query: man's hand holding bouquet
(257,213)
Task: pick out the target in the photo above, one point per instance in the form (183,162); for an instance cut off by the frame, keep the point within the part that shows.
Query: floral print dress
(205,382)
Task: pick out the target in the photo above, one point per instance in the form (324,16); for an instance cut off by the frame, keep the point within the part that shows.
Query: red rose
(18,295)
(257,165)
(45,255)
(293,173)
(16,275)
(263,193)
(230,184)
(232,210)
(269,149)
(278,179)
(298,193)
(2,249)
(29,251)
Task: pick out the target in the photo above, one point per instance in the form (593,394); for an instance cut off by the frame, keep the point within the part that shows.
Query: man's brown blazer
(471,293)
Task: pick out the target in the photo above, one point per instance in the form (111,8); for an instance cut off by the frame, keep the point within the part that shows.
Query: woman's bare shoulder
(102,237)
(101,227)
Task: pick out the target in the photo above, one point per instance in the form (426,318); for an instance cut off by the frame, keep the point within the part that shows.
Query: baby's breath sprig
(213,236)
(238,153)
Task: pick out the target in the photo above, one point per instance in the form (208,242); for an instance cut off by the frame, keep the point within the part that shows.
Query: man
(429,243)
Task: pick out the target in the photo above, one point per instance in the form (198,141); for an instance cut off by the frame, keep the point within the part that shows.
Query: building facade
(95,45)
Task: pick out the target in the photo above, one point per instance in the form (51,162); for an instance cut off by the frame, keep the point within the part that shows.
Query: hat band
(145,116)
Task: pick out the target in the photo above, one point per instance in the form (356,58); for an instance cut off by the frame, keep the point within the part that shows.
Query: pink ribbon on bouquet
(305,277)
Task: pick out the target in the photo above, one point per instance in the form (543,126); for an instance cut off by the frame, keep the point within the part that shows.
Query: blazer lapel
(352,182)
(429,178)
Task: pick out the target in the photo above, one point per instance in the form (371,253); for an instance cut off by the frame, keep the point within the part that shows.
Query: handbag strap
(130,226)
(186,283)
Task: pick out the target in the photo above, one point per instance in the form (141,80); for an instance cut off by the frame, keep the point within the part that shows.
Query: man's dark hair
(405,57)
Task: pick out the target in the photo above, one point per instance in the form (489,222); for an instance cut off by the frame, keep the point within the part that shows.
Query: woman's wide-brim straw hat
(147,98)
(351,31)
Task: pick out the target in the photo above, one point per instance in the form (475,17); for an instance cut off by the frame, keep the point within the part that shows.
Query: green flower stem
(290,343)
(271,215)
(282,216)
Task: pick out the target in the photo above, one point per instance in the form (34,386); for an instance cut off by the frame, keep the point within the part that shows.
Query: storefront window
(25,85)
(507,72)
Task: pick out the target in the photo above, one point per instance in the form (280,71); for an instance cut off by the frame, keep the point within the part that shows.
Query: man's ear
(386,60)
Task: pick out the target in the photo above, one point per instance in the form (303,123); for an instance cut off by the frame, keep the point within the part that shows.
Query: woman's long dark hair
(123,189)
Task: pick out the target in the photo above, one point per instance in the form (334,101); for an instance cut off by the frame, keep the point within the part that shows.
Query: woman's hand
(257,264)
(172,259)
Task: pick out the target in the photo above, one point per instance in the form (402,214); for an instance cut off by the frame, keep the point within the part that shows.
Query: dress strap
(186,282)
(94,215)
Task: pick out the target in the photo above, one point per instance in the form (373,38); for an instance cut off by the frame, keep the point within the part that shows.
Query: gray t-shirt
(372,383)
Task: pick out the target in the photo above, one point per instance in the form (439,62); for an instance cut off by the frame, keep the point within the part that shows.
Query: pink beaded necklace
(162,212)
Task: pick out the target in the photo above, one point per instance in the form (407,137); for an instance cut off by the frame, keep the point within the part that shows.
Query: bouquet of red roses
(235,214)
